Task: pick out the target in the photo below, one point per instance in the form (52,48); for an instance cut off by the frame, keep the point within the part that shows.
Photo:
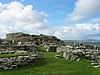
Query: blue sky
(66,19)
(56,9)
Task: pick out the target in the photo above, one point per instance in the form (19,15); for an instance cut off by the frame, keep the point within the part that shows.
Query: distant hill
(87,40)
(92,40)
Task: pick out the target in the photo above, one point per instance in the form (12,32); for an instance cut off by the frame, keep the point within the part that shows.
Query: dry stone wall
(77,54)
(14,62)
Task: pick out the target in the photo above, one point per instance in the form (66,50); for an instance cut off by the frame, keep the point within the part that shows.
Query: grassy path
(53,66)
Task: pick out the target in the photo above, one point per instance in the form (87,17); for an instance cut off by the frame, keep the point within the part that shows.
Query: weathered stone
(57,56)
(13,62)
(5,67)
(78,59)
(96,65)
(64,54)
(40,55)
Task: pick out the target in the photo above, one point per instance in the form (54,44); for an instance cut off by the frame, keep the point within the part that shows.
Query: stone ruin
(14,62)
(37,39)
(73,54)
(51,47)
(25,55)
(71,57)
(23,43)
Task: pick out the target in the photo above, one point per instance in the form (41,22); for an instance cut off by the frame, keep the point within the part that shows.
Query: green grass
(55,66)
(13,55)
(41,48)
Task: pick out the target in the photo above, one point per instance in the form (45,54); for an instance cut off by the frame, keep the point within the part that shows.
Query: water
(84,42)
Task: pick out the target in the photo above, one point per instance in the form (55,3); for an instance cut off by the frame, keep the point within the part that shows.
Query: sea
(82,42)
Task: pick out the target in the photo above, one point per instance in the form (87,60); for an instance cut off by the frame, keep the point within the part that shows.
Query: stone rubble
(40,55)
(76,54)
(20,43)
(14,62)
(25,43)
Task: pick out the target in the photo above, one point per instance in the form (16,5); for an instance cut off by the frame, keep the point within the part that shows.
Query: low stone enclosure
(13,56)
(14,62)
(78,54)
(17,59)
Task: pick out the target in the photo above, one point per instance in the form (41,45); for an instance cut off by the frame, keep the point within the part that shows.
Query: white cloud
(84,10)
(15,17)
(77,31)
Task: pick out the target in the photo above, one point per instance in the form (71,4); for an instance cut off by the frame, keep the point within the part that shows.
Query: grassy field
(55,66)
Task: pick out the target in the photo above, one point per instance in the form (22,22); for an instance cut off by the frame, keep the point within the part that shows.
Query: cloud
(84,10)
(16,17)
(78,31)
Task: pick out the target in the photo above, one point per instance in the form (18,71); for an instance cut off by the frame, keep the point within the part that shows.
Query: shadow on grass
(41,62)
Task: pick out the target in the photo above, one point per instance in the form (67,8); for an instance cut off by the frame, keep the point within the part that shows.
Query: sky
(65,19)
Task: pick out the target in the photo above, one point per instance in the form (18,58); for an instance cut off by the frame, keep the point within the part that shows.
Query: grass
(55,66)
(13,55)
(41,48)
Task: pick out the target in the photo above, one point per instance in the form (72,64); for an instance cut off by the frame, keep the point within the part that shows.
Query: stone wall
(18,36)
(76,54)
(9,48)
(13,56)
(14,62)
(38,39)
